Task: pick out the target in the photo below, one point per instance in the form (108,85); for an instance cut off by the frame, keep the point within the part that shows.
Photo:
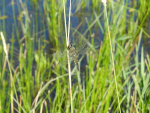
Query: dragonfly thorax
(72,51)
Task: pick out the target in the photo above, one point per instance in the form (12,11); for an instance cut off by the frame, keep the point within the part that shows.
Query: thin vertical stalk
(11,78)
(67,42)
(15,23)
(104,3)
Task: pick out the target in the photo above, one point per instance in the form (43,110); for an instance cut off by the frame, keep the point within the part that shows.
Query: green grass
(40,85)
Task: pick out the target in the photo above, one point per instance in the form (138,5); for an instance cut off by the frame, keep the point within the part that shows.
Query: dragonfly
(74,53)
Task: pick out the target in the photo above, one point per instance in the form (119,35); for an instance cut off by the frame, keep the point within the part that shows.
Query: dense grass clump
(113,75)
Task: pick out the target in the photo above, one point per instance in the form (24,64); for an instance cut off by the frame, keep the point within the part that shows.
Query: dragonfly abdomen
(75,58)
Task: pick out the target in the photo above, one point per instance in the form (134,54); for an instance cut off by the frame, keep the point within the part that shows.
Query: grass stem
(11,78)
(104,3)
(67,41)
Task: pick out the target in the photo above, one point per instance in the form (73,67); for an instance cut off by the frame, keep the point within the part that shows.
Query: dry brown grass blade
(132,48)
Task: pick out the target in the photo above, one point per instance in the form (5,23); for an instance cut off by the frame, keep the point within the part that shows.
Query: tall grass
(115,77)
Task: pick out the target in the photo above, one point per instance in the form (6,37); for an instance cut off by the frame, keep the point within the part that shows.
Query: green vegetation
(116,77)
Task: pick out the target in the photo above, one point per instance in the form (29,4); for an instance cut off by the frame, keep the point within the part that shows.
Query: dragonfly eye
(69,46)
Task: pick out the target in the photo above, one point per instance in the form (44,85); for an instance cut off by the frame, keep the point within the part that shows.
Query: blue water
(36,12)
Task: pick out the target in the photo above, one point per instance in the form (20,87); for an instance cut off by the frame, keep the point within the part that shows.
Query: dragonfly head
(69,46)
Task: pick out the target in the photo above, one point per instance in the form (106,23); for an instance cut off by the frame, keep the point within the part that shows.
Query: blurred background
(35,29)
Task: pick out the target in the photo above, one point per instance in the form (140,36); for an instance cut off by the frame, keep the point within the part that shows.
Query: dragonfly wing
(61,57)
(80,47)
(64,61)
(83,49)
(60,54)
